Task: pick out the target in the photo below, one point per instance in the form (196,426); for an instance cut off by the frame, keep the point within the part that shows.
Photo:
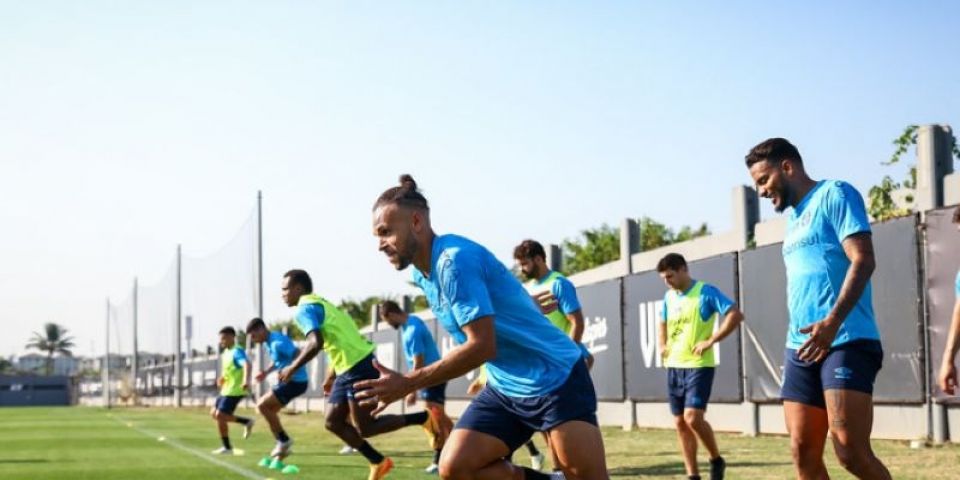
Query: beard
(785,195)
(405,257)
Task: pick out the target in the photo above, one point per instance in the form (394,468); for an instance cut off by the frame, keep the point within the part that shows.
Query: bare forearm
(578,325)
(953,339)
(858,275)
(458,362)
(662,334)
(307,353)
(730,323)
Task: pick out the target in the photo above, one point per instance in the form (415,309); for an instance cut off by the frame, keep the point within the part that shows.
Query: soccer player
(282,352)
(420,350)
(536,379)
(833,349)
(687,337)
(948,371)
(548,287)
(351,356)
(233,381)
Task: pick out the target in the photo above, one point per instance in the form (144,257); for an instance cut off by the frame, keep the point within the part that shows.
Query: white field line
(192,451)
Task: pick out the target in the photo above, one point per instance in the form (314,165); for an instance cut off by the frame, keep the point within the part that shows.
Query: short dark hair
(773,150)
(956,215)
(529,249)
(228,330)
(404,195)
(300,277)
(389,306)
(255,324)
(671,261)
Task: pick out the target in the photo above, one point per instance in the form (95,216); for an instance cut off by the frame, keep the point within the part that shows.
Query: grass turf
(89,443)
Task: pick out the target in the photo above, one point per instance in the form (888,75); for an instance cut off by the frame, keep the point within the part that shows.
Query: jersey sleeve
(310,318)
(463,286)
(239,356)
(845,210)
(566,295)
(957,286)
(712,301)
(663,308)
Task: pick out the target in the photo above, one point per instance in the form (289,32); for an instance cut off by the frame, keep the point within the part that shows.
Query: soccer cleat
(282,449)
(433,469)
(718,466)
(536,461)
(223,451)
(380,470)
(347,450)
(247,428)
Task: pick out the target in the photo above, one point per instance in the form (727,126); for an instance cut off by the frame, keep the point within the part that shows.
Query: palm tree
(54,340)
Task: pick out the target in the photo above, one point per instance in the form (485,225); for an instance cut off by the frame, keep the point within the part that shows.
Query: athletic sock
(370,453)
(532,448)
(282,436)
(242,420)
(436,456)
(418,418)
(531,474)
(226,443)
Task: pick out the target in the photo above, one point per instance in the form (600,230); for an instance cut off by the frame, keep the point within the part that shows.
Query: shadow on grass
(676,468)
(23,460)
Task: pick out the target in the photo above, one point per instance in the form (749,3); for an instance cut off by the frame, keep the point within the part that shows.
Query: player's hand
(328,385)
(664,351)
(246,386)
(411,398)
(474,388)
(947,380)
(821,338)
(701,347)
(390,387)
(220,382)
(547,302)
(260,376)
(285,375)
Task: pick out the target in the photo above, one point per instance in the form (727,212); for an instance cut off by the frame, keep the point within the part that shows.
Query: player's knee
(803,452)
(452,469)
(333,426)
(680,422)
(693,418)
(854,458)
(262,407)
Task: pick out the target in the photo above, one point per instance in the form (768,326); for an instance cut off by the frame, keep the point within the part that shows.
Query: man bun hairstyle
(773,150)
(404,195)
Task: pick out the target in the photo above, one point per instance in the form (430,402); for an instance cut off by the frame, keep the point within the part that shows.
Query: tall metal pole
(260,360)
(134,363)
(178,359)
(105,368)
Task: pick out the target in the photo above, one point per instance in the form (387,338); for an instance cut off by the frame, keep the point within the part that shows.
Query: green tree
(601,245)
(360,310)
(5,366)
(882,197)
(593,248)
(53,340)
(293,331)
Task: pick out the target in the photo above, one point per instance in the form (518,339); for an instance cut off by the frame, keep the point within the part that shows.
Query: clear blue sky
(129,127)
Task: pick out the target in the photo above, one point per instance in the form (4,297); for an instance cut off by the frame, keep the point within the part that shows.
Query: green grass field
(89,443)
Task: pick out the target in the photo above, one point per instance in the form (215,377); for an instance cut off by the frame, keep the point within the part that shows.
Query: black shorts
(342,390)
(285,392)
(851,366)
(227,404)
(514,420)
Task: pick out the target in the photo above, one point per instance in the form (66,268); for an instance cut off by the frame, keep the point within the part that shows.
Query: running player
(282,352)
(948,371)
(420,350)
(833,349)
(687,337)
(233,381)
(351,356)
(550,287)
(536,378)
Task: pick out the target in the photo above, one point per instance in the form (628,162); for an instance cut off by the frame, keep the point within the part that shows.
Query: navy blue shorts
(285,392)
(851,366)
(228,405)
(514,420)
(435,394)
(689,388)
(342,390)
